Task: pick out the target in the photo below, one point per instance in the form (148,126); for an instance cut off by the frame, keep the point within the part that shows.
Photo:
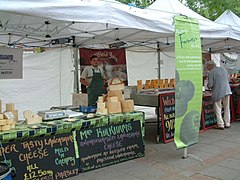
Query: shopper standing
(218,82)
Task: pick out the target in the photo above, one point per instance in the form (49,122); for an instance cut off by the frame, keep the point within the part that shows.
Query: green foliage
(138,3)
(212,9)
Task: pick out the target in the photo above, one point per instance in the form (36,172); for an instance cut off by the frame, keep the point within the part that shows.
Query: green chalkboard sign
(209,116)
(42,158)
(107,145)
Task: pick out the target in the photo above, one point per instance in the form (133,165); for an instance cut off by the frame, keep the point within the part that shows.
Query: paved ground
(216,156)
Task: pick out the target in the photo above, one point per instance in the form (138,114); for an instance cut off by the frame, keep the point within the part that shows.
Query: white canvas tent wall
(47,82)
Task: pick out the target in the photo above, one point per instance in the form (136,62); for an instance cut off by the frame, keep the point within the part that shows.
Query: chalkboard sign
(167,114)
(42,158)
(234,102)
(208,115)
(107,145)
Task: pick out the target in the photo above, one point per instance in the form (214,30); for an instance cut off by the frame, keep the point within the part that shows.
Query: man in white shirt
(92,77)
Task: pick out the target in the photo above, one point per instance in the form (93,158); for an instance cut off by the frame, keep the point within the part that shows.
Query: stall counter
(62,148)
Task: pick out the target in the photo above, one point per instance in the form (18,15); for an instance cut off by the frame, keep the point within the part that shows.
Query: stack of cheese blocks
(7,118)
(115,101)
(31,118)
(10,109)
(101,106)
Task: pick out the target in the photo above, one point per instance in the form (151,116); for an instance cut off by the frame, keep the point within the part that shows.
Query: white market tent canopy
(229,18)
(230,61)
(92,23)
(96,23)
(216,37)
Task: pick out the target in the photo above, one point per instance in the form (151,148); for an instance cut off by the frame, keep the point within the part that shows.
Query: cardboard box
(80,99)
(114,107)
(116,87)
(127,105)
(117,93)
(113,99)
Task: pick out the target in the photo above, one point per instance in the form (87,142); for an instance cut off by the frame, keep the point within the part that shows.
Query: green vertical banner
(188,96)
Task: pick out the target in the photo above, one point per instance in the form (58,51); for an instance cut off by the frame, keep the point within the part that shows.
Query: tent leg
(158,53)
(76,76)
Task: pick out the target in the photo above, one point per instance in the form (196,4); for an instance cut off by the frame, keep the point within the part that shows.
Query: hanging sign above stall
(11,66)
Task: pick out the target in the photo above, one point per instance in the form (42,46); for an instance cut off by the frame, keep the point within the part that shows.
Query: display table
(164,101)
(235,101)
(55,149)
(152,99)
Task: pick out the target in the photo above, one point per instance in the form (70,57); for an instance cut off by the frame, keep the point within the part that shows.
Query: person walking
(93,78)
(218,82)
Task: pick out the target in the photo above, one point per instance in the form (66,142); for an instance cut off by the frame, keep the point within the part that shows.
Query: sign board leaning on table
(49,157)
(108,145)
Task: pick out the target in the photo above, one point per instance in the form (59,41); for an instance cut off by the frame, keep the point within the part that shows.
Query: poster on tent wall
(112,61)
(11,66)
(188,96)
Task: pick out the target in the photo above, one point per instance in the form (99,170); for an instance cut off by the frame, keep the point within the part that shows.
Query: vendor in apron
(92,77)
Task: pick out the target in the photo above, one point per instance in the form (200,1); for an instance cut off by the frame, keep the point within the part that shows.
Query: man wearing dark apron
(92,78)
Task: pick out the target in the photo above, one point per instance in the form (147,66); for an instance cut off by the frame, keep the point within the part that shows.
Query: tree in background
(137,3)
(211,9)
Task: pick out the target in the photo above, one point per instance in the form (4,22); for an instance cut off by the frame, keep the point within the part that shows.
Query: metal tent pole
(76,73)
(158,53)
